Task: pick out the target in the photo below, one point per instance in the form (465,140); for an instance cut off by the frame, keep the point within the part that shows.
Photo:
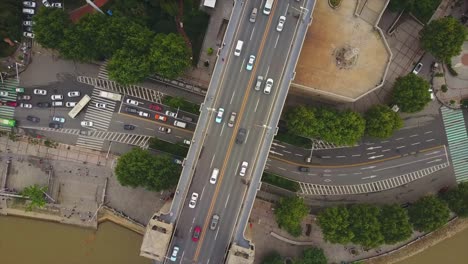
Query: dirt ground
(331,30)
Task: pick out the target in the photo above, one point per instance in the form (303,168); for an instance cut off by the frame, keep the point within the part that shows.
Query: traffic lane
(57,88)
(45,115)
(361,173)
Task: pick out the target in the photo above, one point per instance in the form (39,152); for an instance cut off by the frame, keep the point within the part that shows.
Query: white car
(133,102)
(165,130)
(187,142)
(46,3)
(144,114)
(280,25)
(28,23)
(23,105)
(174,253)
(418,68)
(268,86)
(193,200)
(3,93)
(70,104)
(29,4)
(86,123)
(243,169)
(28,11)
(58,119)
(219,116)
(40,92)
(250,63)
(171,114)
(57,5)
(100,105)
(74,94)
(28,34)
(431,93)
(56,97)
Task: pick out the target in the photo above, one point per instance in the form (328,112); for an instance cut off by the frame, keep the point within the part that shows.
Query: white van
(267,7)
(180,124)
(214,176)
(238,49)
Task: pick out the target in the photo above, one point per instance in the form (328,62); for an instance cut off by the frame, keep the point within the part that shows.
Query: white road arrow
(274,152)
(371,148)
(375,157)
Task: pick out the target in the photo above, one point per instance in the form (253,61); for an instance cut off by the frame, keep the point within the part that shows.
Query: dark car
(24,97)
(55,125)
(129,127)
(131,110)
(155,107)
(303,169)
(241,135)
(33,119)
(43,104)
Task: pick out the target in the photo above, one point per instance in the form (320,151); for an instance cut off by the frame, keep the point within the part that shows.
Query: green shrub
(280,182)
(444,88)
(439,74)
(210,51)
(451,70)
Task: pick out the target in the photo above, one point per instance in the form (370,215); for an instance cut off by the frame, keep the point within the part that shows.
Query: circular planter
(337,5)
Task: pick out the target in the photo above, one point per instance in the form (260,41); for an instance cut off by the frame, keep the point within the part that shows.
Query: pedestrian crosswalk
(9,86)
(103,74)
(377,186)
(457,141)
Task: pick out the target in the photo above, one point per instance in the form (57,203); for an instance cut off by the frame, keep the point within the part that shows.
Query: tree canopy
(443,38)
(365,225)
(381,121)
(50,25)
(457,199)
(422,9)
(302,121)
(273,258)
(36,195)
(312,255)
(411,93)
(334,222)
(428,214)
(395,225)
(140,168)
(169,55)
(289,214)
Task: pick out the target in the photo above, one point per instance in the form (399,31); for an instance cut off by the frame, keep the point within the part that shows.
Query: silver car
(282,20)
(214,222)
(253,15)
(259,83)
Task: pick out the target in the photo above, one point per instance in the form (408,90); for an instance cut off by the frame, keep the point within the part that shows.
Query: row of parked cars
(29,9)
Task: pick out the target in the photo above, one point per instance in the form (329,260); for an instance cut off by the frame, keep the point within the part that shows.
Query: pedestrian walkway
(103,73)
(8,85)
(457,139)
(378,186)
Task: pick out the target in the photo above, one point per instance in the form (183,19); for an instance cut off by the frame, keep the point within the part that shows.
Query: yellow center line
(231,143)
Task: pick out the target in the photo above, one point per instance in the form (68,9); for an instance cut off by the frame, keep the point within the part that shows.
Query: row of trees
(134,51)
(311,255)
(289,214)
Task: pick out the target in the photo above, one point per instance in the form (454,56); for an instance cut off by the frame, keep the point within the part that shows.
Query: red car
(160,117)
(196,233)
(9,103)
(155,107)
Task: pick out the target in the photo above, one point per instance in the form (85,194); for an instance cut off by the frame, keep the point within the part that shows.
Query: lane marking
(211,164)
(384,141)
(428,132)
(356,155)
(256,105)
(415,135)
(192,222)
(385,150)
(326,157)
(370,153)
(216,234)
(147,128)
(201,195)
(340,157)
(417,143)
(251,34)
(232,97)
(276,43)
(408,163)
(281,168)
(431,153)
(227,200)
(399,138)
(432,161)
(429,140)
(298,155)
(399,147)
(289,152)
(222,129)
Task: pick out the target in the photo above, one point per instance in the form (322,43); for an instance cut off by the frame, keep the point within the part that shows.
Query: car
(250,63)
(131,110)
(303,169)
(23,105)
(46,3)
(58,119)
(431,93)
(130,101)
(268,86)
(27,23)
(253,15)
(100,105)
(160,117)
(28,34)
(155,107)
(3,93)
(33,119)
(29,11)
(70,104)
(241,134)
(55,125)
(11,103)
(175,251)
(24,97)
(144,114)
(196,234)
(86,123)
(193,200)
(129,127)
(28,29)
(165,130)
(187,118)
(258,84)
(243,169)
(57,5)
(171,114)
(187,142)
(178,161)
(74,94)
(57,103)
(232,119)
(219,116)
(43,104)
(29,4)
(40,92)
(281,21)
(214,222)
(417,68)
(56,97)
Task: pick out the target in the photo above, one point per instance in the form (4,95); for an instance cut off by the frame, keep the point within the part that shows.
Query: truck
(109,95)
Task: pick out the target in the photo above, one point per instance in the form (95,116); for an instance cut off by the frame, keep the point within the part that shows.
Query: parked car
(43,104)
(58,119)
(33,119)
(171,114)
(187,142)
(196,234)
(187,118)
(417,68)
(46,3)
(29,4)
(165,130)
(28,34)
(70,104)
(144,114)
(56,97)
(27,23)
(155,107)
(23,105)
(129,127)
(3,93)
(100,105)
(74,94)
(131,110)
(193,200)
(24,97)
(253,15)
(29,11)
(40,92)
(57,5)
(281,21)
(160,117)
(130,101)
(57,103)
(55,125)
(87,123)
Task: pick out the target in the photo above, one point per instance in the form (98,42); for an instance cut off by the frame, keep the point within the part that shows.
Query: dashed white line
(193,220)
(356,155)
(399,138)
(298,155)
(384,141)
(385,150)
(277,39)
(216,234)
(289,152)
(232,97)
(201,196)
(399,147)
(370,153)
(227,200)
(415,135)
(251,35)
(149,129)
(428,132)
(119,121)
(311,174)
(340,157)
(326,157)
(256,106)
(416,143)
(222,129)
(432,161)
(211,164)
(342,174)
(357,173)
(429,140)
(370,167)
(281,168)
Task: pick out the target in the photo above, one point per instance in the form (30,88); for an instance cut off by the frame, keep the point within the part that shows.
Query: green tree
(302,121)
(352,127)
(169,55)
(443,38)
(50,25)
(411,93)
(395,225)
(289,214)
(273,258)
(128,66)
(312,255)
(140,168)
(36,195)
(428,214)
(457,199)
(400,5)
(365,225)
(334,222)
(381,121)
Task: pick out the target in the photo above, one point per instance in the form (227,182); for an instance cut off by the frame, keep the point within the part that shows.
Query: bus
(79,106)
(7,122)
(112,96)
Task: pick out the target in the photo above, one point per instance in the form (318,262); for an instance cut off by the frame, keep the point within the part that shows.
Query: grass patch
(165,146)
(195,25)
(280,182)
(182,104)
(294,140)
